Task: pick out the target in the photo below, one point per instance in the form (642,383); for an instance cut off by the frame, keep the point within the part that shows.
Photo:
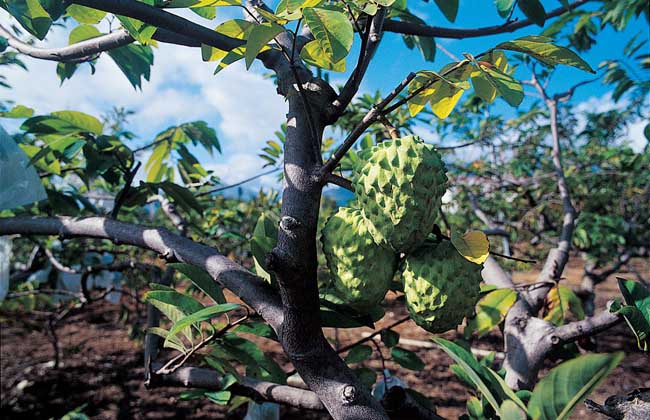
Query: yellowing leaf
(560,301)
(313,54)
(445,99)
(474,246)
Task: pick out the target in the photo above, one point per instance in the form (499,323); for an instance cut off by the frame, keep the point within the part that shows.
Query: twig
(367,120)
(508,257)
(169,367)
(340,181)
(237,184)
(121,197)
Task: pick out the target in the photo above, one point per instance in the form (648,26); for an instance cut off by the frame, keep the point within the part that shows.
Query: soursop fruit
(399,186)
(441,286)
(362,270)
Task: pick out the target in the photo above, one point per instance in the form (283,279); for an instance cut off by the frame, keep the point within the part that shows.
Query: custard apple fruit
(362,270)
(399,186)
(441,286)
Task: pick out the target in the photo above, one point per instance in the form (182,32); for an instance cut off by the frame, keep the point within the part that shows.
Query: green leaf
(358,354)
(504,391)
(259,329)
(154,165)
(200,3)
(407,359)
(134,61)
(204,314)
(261,35)
(18,111)
(265,236)
(63,122)
(390,338)
(506,86)
(475,408)
(185,304)
(313,54)
(202,280)
(139,30)
(174,306)
(449,8)
(208,12)
(491,310)
(82,33)
(66,70)
(473,371)
(541,49)
(182,197)
(332,30)
(219,397)
(504,7)
(173,342)
(635,294)
(637,323)
(510,411)
(258,364)
(534,11)
(83,14)
(31,15)
(558,393)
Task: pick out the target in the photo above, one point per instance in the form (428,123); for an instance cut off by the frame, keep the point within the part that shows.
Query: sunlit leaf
(565,386)
(473,245)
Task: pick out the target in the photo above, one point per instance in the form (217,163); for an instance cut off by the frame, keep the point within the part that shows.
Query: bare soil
(102,367)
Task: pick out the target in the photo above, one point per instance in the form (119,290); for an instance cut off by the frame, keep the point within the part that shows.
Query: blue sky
(244,107)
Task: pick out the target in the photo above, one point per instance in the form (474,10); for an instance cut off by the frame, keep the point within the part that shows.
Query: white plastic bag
(5,257)
(19,182)
(264,411)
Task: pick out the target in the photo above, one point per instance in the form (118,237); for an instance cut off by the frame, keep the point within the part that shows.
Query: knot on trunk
(349,394)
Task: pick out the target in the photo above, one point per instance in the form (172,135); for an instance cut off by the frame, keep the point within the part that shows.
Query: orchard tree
(389,237)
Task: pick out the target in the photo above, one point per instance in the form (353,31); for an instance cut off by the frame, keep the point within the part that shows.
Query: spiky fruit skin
(399,186)
(362,270)
(441,286)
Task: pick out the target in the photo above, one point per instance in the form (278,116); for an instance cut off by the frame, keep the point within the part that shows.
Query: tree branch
(410,28)
(370,42)
(358,130)
(253,290)
(79,52)
(260,391)
(559,256)
(587,327)
(90,48)
(340,181)
(177,25)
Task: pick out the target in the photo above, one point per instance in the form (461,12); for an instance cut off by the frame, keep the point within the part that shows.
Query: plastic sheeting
(381,387)
(5,256)
(264,411)
(19,182)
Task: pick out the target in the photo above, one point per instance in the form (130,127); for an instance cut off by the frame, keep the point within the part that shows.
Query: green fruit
(441,286)
(399,187)
(362,270)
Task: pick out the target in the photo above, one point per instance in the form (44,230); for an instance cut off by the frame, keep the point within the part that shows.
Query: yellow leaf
(474,246)
(445,99)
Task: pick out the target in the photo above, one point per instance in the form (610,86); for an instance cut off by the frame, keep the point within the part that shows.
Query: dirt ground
(102,368)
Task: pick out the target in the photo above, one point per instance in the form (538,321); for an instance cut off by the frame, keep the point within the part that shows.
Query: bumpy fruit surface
(361,269)
(399,185)
(441,286)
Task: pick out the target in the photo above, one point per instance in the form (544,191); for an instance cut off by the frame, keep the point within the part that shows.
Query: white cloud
(240,166)
(243,106)
(605,103)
